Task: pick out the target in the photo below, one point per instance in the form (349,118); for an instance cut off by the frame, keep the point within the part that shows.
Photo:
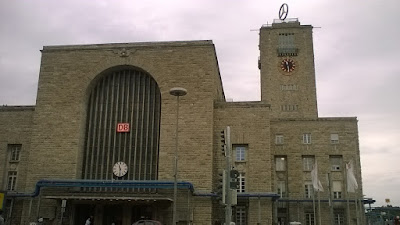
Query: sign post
(228,207)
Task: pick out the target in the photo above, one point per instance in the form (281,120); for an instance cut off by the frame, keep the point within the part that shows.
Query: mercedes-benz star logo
(283,11)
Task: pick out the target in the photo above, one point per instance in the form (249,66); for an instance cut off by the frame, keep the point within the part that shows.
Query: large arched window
(126,96)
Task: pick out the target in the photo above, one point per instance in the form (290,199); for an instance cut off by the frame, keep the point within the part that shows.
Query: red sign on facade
(123,127)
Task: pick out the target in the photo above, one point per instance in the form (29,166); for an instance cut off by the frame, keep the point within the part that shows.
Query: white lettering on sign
(123,127)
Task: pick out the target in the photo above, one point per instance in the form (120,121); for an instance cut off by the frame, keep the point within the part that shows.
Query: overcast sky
(356,43)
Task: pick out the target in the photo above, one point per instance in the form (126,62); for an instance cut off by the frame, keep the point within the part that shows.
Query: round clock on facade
(120,169)
(288,65)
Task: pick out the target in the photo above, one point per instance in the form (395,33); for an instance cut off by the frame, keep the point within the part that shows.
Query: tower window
(286,45)
(289,108)
(288,87)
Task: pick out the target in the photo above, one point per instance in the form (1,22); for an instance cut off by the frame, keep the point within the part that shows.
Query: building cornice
(353,119)
(135,45)
(249,104)
(6,108)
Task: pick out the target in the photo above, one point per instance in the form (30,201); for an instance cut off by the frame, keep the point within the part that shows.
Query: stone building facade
(59,156)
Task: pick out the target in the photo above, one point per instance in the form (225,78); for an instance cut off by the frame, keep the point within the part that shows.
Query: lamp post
(178,92)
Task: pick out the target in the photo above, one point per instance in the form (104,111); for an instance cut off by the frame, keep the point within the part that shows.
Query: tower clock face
(120,169)
(288,65)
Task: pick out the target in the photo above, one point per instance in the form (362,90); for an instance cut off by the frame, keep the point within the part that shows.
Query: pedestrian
(1,217)
(89,221)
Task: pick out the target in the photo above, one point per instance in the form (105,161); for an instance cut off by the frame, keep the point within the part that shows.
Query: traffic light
(223,142)
(221,186)
(234,179)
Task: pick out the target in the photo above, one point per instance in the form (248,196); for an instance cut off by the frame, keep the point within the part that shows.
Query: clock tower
(287,69)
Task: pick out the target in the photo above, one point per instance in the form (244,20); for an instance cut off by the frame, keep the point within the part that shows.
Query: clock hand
(286,65)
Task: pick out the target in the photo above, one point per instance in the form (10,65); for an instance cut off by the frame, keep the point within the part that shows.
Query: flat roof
(129,45)
(17,108)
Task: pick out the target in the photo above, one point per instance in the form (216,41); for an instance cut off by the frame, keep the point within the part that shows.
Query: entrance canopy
(111,198)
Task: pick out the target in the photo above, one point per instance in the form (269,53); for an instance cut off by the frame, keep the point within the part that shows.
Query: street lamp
(178,92)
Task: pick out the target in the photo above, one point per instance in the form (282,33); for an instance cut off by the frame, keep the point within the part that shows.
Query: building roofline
(6,108)
(129,45)
(139,45)
(289,22)
(219,72)
(354,119)
(350,118)
(249,104)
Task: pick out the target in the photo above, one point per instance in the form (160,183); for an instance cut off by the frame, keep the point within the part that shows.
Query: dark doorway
(113,214)
(141,212)
(83,212)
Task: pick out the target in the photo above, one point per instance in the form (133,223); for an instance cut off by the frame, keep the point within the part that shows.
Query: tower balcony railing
(278,21)
(287,20)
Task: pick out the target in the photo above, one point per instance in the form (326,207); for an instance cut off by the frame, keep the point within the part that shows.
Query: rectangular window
(334,138)
(15,151)
(286,45)
(241,215)
(308,189)
(309,219)
(308,163)
(240,152)
(337,189)
(289,108)
(289,87)
(336,163)
(339,218)
(281,188)
(242,183)
(279,139)
(307,138)
(280,164)
(12,180)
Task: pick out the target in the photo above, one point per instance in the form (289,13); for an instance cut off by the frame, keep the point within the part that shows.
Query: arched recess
(122,95)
